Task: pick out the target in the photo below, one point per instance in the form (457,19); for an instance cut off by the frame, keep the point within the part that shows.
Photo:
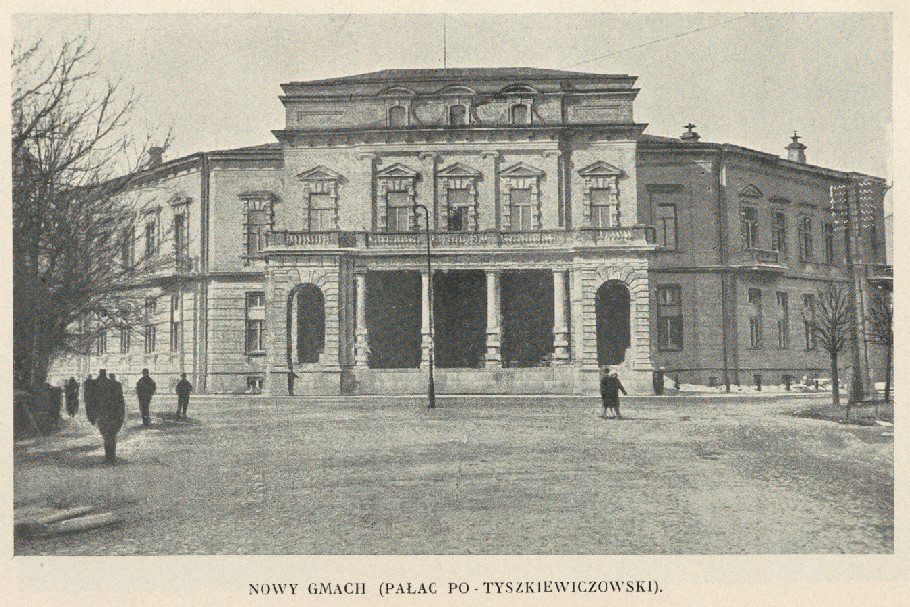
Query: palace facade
(561,240)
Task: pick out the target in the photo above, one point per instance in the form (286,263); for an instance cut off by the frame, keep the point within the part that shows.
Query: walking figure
(72,396)
(610,387)
(110,411)
(184,388)
(145,389)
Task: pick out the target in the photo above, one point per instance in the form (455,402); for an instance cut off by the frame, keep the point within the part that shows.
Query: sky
(746,79)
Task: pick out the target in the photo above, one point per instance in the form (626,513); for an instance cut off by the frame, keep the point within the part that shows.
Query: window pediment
(521,170)
(600,169)
(456,90)
(458,170)
(751,191)
(179,200)
(396,91)
(397,171)
(260,195)
(518,89)
(319,173)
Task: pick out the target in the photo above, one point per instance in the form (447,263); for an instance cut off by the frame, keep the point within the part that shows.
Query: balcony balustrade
(589,237)
(760,260)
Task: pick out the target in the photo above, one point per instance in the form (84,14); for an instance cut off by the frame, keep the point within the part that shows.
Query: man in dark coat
(145,389)
(111,411)
(72,396)
(610,386)
(184,388)
(90,398)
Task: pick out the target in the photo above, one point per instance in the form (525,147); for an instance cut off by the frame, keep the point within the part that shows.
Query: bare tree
(74,165)
(830,318)
(880,327)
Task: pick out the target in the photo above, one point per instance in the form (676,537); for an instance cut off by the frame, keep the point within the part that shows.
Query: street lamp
(431,386)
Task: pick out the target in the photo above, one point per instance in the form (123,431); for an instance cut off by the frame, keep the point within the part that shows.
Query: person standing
(111,409)
(71,390)
(145,389)
(184,388)
(610,387)
(90,398)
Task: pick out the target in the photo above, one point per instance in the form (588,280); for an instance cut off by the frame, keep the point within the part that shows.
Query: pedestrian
(145,389)
(90,398)
(610,386)
(184,388)
(72,396)
(111,409)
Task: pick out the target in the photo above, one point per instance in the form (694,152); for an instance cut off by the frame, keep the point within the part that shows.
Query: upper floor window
(521,114)
(666,225)
(322,213)
(180,238)
(460,201)
(779,233)
(828,231)
(458,115)
(604,208)
(522,209)
(259,220)
(128,247)
(805,238)
(750,227)
(151,233)
(398,211)
(398,116)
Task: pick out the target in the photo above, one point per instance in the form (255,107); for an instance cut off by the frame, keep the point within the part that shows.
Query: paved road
(276,476)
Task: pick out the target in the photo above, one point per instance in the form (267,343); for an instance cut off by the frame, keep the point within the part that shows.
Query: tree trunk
(888,355)
(835,382)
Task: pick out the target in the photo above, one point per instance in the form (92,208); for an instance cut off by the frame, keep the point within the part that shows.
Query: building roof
(479,79)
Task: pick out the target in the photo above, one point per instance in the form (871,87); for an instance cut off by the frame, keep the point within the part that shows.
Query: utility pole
(431,386)
(856,382)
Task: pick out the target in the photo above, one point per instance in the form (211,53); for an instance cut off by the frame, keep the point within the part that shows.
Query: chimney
(690,135)
(796,151)
(156,157)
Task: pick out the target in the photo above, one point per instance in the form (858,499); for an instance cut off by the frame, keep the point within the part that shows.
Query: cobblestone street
(280,476)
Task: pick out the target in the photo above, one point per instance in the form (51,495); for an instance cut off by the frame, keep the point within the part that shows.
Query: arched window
(398,116)
(520,114)
(458,115)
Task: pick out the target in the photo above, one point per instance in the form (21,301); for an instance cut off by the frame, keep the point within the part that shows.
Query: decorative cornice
(458,170)
(397,170)
(319,173)
(600,169)
(521,169)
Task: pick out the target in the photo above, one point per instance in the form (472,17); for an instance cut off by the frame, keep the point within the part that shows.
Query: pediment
(751,191)
(457,90)
(600,169)
(458,170)
(179,199)
(397,170)
(396,91)
(319,173)
(518,89)
(521,170)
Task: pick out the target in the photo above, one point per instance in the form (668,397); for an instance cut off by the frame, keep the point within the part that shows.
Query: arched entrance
(612,309)
(306,325)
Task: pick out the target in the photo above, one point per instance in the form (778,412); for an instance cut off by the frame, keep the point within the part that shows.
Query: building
(562,240)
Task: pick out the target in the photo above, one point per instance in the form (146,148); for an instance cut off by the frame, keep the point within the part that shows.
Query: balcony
(759,260)
(634,236)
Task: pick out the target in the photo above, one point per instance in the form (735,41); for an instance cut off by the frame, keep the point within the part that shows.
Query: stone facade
(545,206)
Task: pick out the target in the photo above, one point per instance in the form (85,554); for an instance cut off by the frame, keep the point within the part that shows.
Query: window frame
(526,213)
(254,318)
(750,226)
(756,321)
(669,318)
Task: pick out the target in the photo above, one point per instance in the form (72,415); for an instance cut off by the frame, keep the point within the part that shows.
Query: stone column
(292,337)
(560,326)
(425,339)
(361,347)
(493,358)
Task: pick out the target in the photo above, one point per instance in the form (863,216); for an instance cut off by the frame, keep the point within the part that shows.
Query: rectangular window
(669,318)
(522,209)
(128,248)
(398,116)
(175,323)
(180,238)
(604,212)
(459,206)
(151,308)
(151,230)
(809,320)
(150,335)
(783,321)
(779,234)
(666,225)
(399,211)
(125,333)
(322,213)
(828,230)
(755,319)
(258,223)
(805,238)
(255,323)
(750,227)
(101,343)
